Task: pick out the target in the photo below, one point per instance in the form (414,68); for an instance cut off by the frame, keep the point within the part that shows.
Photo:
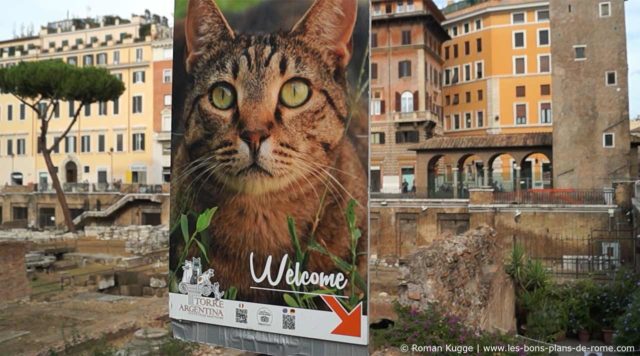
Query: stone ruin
(140,240)
(463,275)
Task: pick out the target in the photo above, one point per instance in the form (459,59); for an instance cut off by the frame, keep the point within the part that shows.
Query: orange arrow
(349,321)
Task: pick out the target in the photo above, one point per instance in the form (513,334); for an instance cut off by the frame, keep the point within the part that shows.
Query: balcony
(414,116)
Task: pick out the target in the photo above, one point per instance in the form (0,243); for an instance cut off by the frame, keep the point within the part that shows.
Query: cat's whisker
(335,180)
(335,192)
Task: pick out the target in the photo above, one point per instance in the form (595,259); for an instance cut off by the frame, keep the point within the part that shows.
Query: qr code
(289,322)
(241,316)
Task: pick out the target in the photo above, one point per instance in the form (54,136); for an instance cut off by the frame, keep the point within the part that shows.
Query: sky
(38,12)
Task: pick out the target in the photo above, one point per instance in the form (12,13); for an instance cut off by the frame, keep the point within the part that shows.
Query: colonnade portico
(484,150)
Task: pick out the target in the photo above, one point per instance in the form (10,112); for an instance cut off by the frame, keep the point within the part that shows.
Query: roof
(489,141)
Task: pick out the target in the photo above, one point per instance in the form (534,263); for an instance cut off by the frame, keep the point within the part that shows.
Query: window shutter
(408,65)
(382,137)
(381,106)
(398,104)
(416,101)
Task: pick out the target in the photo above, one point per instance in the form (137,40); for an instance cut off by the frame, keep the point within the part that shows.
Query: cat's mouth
(254,168)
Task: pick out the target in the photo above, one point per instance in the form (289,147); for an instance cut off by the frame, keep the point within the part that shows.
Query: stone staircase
(122,202)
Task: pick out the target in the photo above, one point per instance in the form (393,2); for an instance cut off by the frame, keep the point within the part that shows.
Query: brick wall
(14,284)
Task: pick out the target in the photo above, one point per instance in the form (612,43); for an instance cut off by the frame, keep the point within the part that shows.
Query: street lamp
(111,155)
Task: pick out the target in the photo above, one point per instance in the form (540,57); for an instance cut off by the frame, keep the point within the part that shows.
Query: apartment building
(406,88)
(111,141)
(162,103)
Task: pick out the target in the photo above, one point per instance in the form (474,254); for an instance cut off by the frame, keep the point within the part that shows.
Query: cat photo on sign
(271,129)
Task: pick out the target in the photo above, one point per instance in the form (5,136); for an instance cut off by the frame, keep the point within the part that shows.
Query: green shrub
(628,324)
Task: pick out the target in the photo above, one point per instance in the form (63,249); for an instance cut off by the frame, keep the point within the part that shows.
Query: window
(374,40)
(446,52)
(456,122)
(480,95)
(518,17)
(166,121)
(410,5)
(455,51)
(101,143)
(167,100)
(545,89)
(404,69)
(479,45)
(454,31)
(167,76)
(612,78)
(447,76)
(139,55)
(479,70)
(400,7)
(21,146)
(521,114)
(377,138)
(70,144)
(377,107)
(519,40)
(87,169)
(88,60)
(116,57)
(406,37)
(480,119)
(101,58)
(23,112)
(519,65)
(543,37)
(447,100)
(374,70)
(138,142)
(407,137)
(467,72)
(608,140)
(377,10)
(545,113)
(138,77)
(116,107)
(456,99)
(139,175)
(102,108)
(119,142)
(581,52)
(406,102)
(137,104)
(467,120)
(466,27)
(456,75)
(520,91)
(56,148)
(9,147)
(542,15)
(478,24)
(85,143)
(544,63)
(72,61)
(9,112)
(605,9)
(87,110)
(467,48)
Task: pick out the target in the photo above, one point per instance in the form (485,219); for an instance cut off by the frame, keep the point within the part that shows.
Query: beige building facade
(110,142)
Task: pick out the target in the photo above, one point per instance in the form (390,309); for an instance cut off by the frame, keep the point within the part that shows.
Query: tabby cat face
(266,110)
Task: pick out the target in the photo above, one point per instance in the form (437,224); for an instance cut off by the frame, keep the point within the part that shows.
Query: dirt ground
(49,326)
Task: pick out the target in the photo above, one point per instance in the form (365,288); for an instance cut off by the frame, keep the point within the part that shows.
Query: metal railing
(556,197)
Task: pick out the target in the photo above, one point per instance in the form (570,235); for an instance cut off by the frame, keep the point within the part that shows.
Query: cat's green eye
(294,93)
(223,96)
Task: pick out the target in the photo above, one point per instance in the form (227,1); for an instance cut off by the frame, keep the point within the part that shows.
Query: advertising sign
(269,167)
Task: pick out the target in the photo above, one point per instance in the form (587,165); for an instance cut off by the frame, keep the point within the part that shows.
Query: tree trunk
(62,199)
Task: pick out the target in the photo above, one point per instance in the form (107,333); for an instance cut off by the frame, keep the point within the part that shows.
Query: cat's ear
(330,23)
(204,27)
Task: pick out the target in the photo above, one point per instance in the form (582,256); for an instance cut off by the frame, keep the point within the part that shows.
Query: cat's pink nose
(254,139)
